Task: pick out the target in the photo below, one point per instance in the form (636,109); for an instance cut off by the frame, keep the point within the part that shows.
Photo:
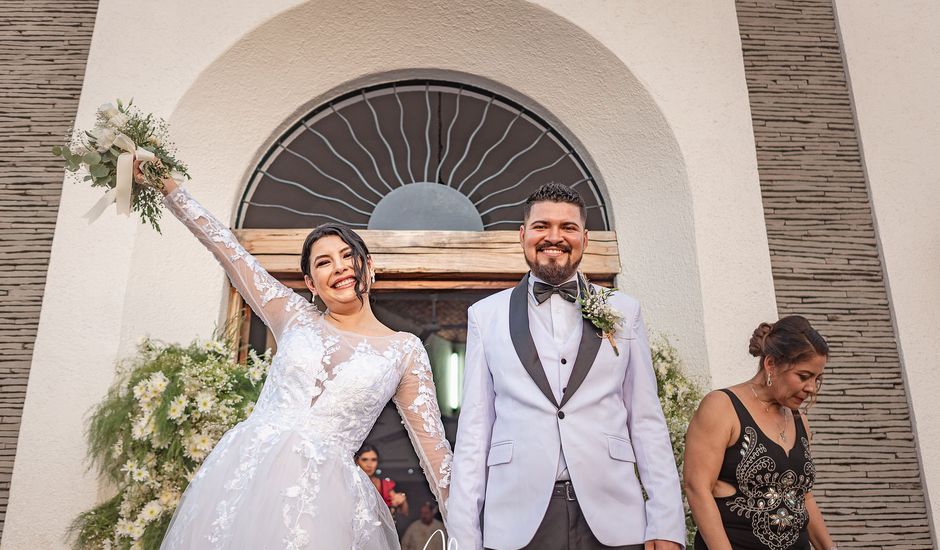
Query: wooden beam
(442,255)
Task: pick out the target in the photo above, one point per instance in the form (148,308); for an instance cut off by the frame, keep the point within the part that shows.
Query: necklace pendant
(783,436)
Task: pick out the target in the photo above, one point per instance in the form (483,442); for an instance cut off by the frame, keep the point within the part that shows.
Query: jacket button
(564,361)
(561,414)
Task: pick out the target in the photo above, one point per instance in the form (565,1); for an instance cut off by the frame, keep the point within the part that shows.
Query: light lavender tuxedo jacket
(609,425)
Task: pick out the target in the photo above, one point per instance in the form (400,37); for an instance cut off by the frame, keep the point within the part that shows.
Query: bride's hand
(169,184)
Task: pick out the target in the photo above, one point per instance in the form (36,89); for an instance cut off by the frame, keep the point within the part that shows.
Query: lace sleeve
(417,404)
(275,303)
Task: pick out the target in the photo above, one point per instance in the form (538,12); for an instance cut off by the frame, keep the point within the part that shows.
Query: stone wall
(827,267)
(43,50)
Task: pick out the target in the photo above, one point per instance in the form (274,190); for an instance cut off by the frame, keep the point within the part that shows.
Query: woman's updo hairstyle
(358,248)
(790,340)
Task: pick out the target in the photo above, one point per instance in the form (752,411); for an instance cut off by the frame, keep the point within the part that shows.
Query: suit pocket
(500,453)
(620,449)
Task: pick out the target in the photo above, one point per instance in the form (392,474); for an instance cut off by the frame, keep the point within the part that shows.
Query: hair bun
(756,345)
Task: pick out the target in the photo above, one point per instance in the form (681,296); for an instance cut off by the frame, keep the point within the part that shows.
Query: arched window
(414,155)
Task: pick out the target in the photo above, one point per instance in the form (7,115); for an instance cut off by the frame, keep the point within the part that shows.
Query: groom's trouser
(564,526)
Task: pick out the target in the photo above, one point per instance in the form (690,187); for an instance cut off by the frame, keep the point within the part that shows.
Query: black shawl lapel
(522,339)
(587,352)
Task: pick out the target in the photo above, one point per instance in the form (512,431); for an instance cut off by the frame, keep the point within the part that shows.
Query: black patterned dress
(768,511)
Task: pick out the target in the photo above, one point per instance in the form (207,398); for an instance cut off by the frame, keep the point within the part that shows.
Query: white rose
(108,110)
(118,121)
(155,140)
(104,138)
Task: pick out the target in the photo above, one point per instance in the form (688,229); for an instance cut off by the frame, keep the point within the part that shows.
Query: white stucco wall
(893,61)
(654,99)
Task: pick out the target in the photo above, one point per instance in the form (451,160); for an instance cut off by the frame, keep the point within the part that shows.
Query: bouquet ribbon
(120,194)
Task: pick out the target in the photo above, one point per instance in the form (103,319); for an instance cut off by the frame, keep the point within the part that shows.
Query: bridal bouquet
(104,157)
(169,407)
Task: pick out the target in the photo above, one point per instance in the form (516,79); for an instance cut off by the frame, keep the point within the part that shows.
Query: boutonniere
(594,308)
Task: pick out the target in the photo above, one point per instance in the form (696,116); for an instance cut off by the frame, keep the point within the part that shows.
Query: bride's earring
(313,302)
(372,279)
(770,381)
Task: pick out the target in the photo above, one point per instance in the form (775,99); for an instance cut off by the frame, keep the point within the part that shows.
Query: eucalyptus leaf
(100,171)
(91,158)
(57,150)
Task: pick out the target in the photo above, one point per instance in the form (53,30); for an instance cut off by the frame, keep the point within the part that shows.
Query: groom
(556,423)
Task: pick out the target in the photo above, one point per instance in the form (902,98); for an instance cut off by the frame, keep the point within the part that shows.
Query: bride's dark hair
(358,248)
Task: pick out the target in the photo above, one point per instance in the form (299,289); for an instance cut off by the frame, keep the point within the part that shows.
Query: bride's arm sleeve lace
(416,400)
(275,303)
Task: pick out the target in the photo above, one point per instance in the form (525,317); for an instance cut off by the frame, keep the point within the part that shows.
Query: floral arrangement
(679,395)
(167,410)
(104,156)
(594,308)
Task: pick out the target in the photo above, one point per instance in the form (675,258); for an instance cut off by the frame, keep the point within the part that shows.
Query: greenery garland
(679,395)
(168,408)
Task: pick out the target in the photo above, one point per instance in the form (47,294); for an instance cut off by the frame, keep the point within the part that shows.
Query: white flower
(194,453)
(142,427)
(123,528)
(151,511)
(169,498)
(159,381)
(177,407)
(104,138)
(118,120)
(108,110)
(204,402)
(137,529)
(249,408)
(155,140)
(140,475)
(215,346)
(142,390)
(255,373)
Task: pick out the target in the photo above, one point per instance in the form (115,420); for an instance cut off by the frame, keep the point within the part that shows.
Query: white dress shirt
(556,327)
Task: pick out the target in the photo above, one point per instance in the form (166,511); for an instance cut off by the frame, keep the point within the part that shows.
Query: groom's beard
(554,271)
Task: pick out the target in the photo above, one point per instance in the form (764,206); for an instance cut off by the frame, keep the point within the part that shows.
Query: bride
(285,477)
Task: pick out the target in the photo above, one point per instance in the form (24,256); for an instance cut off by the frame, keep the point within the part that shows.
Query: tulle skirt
(268,487)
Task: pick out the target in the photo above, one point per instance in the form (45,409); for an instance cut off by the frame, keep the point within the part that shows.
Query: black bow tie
(568,291)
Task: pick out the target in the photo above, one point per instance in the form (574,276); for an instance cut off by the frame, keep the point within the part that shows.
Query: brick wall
(43,50)
(826,266)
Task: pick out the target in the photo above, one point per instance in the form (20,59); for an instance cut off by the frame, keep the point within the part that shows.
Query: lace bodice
(328,384)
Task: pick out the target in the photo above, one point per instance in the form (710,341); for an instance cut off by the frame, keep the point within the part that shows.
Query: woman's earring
(313,302)
(372,281)
(770,381)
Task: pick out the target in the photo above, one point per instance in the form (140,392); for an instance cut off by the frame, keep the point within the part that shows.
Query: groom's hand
(661,545)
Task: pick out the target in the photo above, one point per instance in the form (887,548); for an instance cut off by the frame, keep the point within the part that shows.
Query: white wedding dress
(285,477)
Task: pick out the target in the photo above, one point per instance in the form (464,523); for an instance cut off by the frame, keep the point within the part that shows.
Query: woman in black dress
(748,470)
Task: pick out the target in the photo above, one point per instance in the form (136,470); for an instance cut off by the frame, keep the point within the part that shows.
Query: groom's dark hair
(554,192)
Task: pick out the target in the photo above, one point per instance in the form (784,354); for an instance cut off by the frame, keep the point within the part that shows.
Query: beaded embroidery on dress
(285,477)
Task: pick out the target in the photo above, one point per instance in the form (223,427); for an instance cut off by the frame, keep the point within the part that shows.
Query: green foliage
(679,395)
(167,409)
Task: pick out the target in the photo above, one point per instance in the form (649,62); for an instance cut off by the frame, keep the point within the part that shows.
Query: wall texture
(826,266)
(893,62)
(43,49)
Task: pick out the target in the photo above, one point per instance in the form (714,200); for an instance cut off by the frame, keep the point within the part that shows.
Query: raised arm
(665,516)
(416,400)
(275,303)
